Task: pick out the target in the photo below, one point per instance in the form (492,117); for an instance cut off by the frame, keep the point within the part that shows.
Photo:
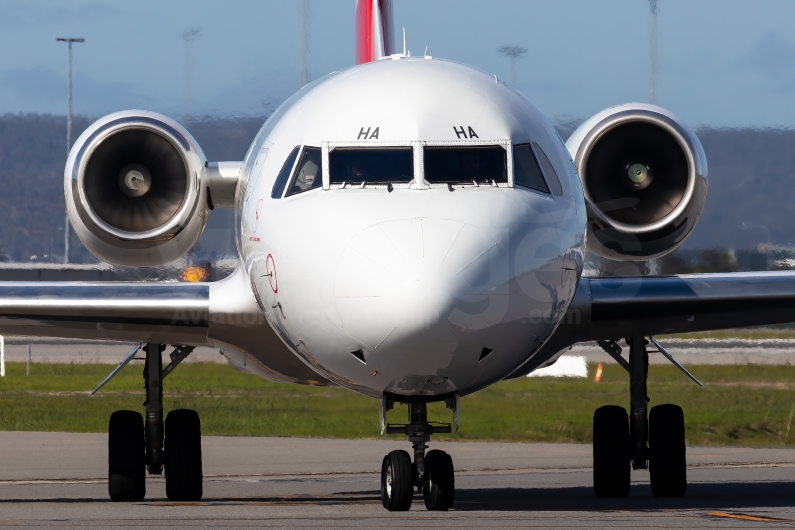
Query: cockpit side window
(372,165)
(465,164)
(526,171)
(549,170)
(284,174)
(307,174)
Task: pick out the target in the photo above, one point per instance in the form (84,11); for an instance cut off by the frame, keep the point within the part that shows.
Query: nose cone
(414,291)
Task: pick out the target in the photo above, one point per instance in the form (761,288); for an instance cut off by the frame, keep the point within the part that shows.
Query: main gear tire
(182,450)
(667,459)
(611,465)
(126,457)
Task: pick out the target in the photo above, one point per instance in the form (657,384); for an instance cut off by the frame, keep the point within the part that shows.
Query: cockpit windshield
(371,165)
(307,172)
(465,164)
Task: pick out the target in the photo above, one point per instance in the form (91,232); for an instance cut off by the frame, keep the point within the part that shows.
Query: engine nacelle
(135,190)
(644,175)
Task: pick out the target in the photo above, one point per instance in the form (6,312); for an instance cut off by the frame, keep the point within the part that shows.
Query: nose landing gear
(433,473)
(655,442)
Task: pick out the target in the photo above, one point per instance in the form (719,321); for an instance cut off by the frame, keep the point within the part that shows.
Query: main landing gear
(135,447)
(432,473)
(656,443)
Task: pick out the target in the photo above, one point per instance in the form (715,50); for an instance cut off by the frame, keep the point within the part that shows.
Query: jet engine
(135,190)
(644,176)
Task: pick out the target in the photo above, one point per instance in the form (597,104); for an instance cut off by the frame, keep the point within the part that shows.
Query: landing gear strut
(638,402)
(655,441)
(135,446)
(154,408)
(432,473)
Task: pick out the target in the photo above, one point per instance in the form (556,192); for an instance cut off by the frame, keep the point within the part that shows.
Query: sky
(721,63)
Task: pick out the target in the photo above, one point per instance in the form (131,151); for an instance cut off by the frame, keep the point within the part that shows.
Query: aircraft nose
(415,289)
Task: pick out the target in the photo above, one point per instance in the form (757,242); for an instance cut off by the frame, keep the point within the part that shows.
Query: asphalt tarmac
(687,351)
(57,480)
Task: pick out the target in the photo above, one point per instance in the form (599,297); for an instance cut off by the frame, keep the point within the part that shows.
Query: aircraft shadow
(331,499)
(700,496)
(716,495)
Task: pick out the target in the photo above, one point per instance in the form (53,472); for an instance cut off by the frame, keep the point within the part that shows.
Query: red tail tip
(374,35)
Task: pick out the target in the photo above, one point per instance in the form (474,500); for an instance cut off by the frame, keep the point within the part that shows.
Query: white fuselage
(412,288)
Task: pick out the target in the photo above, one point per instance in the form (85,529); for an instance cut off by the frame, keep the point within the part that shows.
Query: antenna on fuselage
(404,41)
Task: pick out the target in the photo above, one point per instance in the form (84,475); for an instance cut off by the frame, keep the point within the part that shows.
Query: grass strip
(751,405)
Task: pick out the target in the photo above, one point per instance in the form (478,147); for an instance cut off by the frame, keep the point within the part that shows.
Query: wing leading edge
(619,307)
(222,314)
(696,302)
(175,313)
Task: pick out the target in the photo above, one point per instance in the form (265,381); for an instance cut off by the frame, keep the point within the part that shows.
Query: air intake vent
(359,354)
(135,186)
(484,352)
(136,180)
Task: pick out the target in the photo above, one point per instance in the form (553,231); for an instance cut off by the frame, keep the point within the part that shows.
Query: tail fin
(374,36)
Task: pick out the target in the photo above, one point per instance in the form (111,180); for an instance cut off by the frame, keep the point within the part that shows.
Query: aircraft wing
(171,313)
(158,312)
(653,305)
(607,308)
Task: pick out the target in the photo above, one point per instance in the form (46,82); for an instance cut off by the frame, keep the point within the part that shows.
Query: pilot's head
(357,169)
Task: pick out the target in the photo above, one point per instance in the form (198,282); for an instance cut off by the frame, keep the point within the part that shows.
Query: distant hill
(32,159)
(751,198)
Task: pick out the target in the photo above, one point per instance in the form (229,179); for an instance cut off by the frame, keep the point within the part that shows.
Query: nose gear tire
(183,456)
(611,466)
(667,461)
(397,487)
(438,481)
(126,457)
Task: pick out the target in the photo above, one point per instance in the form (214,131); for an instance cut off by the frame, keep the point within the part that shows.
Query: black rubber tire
(438,482)
(397,487)
(667,459)
(611,466)
(182,450)
(126,457)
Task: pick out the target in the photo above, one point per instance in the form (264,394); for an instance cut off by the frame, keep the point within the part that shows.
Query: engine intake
(135,190)
(644,176)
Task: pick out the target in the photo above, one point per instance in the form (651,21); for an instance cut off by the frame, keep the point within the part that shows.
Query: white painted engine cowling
(135,189)
(644,176)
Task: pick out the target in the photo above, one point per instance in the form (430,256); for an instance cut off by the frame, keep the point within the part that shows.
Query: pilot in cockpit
(308,176)
(357,170)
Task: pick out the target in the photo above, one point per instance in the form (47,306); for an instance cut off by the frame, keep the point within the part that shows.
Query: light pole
(306,14)
(653,10)
(190,35)
(70,41)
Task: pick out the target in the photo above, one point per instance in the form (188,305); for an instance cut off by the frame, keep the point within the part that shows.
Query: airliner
(411,229)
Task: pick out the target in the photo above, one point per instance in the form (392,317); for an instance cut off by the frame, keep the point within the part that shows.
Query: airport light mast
(70,41)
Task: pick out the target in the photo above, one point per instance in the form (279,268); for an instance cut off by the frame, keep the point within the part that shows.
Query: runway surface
(46,350)
(724,351)
(707,351)
(57,480)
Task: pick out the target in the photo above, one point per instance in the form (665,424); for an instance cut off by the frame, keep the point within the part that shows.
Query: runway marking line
(746,517)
